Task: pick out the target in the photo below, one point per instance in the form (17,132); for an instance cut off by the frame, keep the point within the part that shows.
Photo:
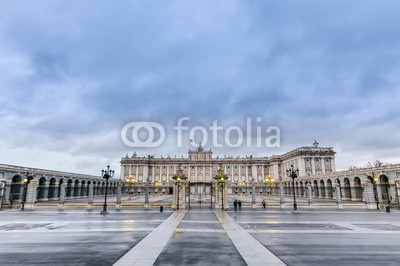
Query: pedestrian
(235,203)
(264,203)
(240,205)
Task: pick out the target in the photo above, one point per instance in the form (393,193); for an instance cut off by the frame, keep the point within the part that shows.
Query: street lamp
(269,180)
(221,178)
(293,173)
(130,180)
(106,174)
(26,182)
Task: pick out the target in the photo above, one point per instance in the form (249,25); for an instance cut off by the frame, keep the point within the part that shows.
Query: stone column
(369,196)
(253,196)
(310,196)
(181,193)
(6,194)
(119,192)
(46,191)
(61,200)
(31,195)
(281,196)
(146,196)
(397,184)
(90,197)
(338,196)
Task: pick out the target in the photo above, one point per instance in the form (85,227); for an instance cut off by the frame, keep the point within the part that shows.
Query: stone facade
(244,172)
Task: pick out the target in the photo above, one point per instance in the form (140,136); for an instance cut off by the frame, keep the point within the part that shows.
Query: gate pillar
(179,190)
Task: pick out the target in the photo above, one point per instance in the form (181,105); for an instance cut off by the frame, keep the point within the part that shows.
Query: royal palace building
(244,172)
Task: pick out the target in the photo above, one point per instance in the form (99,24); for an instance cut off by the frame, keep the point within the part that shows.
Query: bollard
(161,208)
(387,209)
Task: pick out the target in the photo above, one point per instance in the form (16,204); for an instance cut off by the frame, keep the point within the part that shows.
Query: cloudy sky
(73,73)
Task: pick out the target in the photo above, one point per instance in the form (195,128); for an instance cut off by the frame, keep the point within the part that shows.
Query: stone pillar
(338,196)
(253,196)
(146,196)
(310,196)
(281,196)
(119,192)
(397,184)
(369,196)
(61,200)
(46,191)
(6,194)
(31,195)
(179,192)
(90,197)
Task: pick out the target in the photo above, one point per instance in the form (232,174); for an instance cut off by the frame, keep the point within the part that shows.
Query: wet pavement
(200,237)
(326,237)
(73,237)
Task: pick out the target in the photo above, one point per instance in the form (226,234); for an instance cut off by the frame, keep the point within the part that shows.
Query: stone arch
(41,190)
(297,189)
(357,188)
(59,187)
(347,189)
(329,188)
(83,188)
(98,188)
(52,188)
(76,188)
(87,188)
(316,189)
(322,188)
(17,186)
(384,187)
(301,189)
(70,188)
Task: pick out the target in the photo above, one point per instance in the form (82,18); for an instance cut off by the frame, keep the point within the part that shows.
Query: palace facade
(200,167)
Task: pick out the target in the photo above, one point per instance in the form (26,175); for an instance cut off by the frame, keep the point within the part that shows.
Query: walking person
(240,205)
(235,203)
(264,203)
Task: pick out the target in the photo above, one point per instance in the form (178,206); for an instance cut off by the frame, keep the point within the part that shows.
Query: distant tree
(376,163)
(353,167)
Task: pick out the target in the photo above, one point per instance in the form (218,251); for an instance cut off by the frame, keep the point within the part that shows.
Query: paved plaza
(200,236)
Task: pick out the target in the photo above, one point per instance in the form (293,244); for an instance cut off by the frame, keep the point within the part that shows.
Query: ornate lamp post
(179,178)
(106,174)
(293,173)
(26,182)
(130,180)
(269,180)
(221,178)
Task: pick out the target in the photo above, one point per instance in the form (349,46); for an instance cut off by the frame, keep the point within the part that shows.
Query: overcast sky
(73,73)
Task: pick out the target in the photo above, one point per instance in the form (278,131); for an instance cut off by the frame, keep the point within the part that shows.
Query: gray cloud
(71,75)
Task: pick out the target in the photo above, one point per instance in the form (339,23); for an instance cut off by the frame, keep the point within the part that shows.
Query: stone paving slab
(147,251)
(200,248)
(252,251)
